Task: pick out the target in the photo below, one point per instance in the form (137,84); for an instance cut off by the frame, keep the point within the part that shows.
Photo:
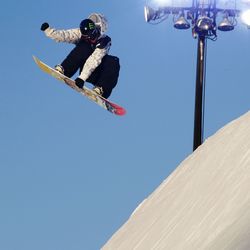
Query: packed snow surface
(203,204)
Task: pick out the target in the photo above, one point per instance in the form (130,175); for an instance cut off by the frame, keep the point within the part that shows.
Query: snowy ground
(203,204)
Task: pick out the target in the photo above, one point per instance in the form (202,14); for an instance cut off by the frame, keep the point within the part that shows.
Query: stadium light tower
(204,17)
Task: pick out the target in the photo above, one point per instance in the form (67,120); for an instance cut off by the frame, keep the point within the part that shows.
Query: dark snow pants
(105,75)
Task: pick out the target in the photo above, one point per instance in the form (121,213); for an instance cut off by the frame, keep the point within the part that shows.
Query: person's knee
(106,93)
(76,58)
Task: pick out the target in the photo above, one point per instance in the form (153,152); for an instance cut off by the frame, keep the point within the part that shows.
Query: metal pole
(200,77)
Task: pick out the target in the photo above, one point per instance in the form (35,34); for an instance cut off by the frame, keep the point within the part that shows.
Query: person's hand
(79,82)
(44,26)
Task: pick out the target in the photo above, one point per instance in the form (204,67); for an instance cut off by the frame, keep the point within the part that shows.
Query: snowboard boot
(59,68)
(98,90)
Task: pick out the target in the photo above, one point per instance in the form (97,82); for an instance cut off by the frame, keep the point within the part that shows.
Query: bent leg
(76,58)
(106,75)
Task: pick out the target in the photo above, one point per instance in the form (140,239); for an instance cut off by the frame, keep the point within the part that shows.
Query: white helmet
(100,21)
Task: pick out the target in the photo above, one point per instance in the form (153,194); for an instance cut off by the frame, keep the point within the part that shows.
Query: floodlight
(245,17)
(225,25)
(149,14)
(205,23)
(203,18)
(181,23)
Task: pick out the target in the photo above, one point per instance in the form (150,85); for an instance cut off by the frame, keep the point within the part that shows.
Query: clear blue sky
(70,172)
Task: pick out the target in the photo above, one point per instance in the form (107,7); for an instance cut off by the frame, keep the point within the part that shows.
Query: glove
(79,82)
(44,26)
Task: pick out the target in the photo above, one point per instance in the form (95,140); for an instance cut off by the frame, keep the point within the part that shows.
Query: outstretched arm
(68,36)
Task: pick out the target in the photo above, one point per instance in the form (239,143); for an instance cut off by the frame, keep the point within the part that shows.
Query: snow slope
(203,204)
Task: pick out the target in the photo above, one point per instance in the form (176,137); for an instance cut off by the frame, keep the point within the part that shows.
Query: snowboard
(90,94)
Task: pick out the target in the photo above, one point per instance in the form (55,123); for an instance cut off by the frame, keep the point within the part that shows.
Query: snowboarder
(90,54)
